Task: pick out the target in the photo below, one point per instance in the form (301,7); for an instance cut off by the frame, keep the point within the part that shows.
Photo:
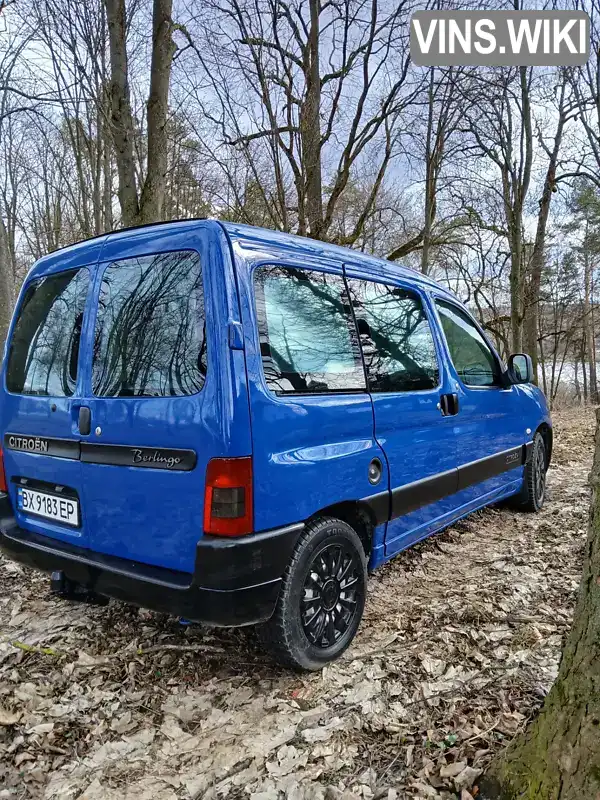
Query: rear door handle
(449,404)
(85,421)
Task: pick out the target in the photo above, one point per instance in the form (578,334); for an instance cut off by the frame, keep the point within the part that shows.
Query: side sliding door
(409,386)
(312,419)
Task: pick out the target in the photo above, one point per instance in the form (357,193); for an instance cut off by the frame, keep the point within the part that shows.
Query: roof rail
(130,228)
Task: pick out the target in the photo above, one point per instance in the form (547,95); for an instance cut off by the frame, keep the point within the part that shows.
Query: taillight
(228,497)
(3,486)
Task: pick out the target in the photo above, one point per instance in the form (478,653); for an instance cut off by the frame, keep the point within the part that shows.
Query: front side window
(44,349)
(307,336)
(397,342)
(150,337)
(472,357)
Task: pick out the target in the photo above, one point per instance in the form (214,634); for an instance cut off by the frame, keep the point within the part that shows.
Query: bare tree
(145,205)
(501,123)
(311,91)
(585,84)
(75,43)
(564,112)
(13,101)
(434,145)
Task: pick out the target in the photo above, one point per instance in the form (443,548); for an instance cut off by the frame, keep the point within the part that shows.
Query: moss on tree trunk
(558,756)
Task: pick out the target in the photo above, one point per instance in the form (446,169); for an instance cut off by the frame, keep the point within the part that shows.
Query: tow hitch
(61,586)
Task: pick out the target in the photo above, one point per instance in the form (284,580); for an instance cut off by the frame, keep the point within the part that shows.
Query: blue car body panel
(166,508)
(417,441)
(310,452)
(153,516)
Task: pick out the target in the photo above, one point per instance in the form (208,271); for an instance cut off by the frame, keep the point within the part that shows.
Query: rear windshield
(44,348)
(150,338)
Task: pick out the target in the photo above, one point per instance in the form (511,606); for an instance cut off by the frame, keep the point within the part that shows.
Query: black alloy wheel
(322,597)
(330,600)
(533,494)
(539,475)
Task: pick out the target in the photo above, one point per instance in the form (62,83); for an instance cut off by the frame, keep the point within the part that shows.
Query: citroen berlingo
(233,425)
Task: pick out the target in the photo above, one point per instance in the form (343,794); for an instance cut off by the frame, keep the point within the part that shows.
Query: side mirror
(520,368)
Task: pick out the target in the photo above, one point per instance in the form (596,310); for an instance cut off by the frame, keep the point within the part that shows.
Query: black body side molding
(413,496)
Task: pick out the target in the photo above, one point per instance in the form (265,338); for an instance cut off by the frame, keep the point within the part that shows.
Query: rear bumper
(235,581)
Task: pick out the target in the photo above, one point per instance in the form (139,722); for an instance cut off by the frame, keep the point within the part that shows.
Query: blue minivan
(232,425)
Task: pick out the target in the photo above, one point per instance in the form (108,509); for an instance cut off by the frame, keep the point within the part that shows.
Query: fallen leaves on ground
(459,645)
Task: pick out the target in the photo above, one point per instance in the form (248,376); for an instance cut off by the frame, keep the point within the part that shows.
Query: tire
(533,493)
(328,567)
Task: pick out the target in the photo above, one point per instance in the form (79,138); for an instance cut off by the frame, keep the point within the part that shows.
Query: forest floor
(459,645)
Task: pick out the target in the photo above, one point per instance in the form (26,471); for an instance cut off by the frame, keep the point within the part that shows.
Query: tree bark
(583,370)
(121,114)
(592,354)
(429,179)
(536,264)
(515,229)
(163,49)
(6,285)
(520,186)
(558,756)
(588,322)
(140,210)
(310,127)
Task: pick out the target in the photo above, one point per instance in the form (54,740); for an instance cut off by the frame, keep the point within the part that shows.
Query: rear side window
(150,337)
(307,335)
(44,348)
(473,359)
(396,338)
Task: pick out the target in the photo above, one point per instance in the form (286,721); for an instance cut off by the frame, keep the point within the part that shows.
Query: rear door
(159,365)
(408,380)
(42,399)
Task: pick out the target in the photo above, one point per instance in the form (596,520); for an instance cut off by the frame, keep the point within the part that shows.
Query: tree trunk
(121,115)
(536,264)
(163,49)
(147,208)
(107,184)
(310,127)
(543,368)
(516,280)
(429,179)
(588,322)
(516,203)
(558,756)
(6,285)
(582,358)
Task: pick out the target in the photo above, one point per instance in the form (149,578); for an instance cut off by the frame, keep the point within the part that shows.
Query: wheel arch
(358,515)
(546,433)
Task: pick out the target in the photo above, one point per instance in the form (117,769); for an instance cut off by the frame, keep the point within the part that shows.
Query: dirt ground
(458,647)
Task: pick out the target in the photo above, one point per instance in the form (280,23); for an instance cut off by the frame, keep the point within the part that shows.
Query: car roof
(259,239)
(250,240)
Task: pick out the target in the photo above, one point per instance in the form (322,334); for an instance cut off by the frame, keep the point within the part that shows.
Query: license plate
(50,506)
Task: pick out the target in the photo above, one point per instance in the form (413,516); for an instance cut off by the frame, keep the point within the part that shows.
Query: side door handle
(449,404)
(85,421)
